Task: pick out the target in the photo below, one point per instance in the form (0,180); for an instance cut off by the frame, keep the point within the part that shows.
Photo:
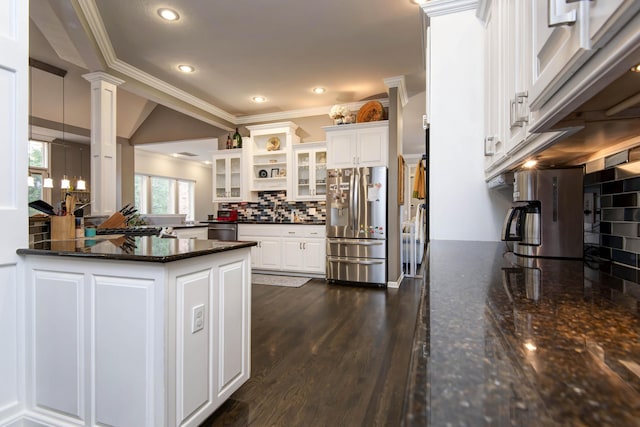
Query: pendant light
(64,183)
(48,182)
(30,181)
(80,183)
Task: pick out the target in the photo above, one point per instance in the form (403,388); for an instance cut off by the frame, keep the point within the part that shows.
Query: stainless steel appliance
(222,230)
(546,219)
(357,225)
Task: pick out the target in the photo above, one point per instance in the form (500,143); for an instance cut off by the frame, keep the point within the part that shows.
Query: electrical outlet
(197,320)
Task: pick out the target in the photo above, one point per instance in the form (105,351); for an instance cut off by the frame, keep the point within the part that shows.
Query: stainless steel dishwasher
(223,231)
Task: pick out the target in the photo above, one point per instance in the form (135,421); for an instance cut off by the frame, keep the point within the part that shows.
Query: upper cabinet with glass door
(227,176)
(310,171)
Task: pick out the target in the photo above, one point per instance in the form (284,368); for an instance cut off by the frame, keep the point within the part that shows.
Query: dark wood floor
(326,355)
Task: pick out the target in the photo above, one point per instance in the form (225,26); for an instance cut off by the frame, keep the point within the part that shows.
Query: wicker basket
(372,111)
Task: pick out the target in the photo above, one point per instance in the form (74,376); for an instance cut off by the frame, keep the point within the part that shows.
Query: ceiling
(279,49)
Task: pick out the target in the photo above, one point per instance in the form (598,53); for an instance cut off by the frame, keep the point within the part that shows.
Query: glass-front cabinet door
(227,176)
(311,173)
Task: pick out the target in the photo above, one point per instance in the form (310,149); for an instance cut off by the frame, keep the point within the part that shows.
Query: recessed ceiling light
(186,68)
(168,14)
(530,163)
(318,90)
(636,68)
(259,99)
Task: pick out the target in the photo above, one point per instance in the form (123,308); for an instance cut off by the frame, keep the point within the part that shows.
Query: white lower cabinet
(128,343)
(286,247)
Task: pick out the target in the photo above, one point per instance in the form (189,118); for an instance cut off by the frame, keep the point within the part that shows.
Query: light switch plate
(197,320)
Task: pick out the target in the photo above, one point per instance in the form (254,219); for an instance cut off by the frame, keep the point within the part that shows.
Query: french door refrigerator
(357,225)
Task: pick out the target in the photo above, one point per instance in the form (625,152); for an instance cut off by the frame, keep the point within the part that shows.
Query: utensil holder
(63,227)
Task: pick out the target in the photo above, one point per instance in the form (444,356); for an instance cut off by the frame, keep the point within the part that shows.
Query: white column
(458,191)
(103,142)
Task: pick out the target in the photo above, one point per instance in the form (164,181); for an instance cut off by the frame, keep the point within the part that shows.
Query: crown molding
(446,7)
(398,82)
(304,112)
(99,32)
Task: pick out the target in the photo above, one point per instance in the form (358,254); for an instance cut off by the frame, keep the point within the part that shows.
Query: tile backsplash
(612,229)
(272,206)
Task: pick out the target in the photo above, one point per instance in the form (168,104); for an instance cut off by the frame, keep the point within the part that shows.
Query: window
(161,195)
(38,170)
(38,154)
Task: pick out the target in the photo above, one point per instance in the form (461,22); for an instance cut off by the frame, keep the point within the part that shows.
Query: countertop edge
(132,257)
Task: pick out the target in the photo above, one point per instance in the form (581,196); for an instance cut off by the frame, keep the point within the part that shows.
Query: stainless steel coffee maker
(546,219)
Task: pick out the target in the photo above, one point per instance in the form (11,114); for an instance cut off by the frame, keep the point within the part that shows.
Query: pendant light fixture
(80,183)
(64,183)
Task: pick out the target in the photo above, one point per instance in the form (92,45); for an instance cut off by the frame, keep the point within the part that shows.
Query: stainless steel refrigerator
(357,225)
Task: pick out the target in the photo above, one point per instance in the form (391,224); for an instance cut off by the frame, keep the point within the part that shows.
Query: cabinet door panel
(373,147)
(232,327)
(558,50)
(606,17)
(293,256)
(315,255)
(270,254)
(341,150)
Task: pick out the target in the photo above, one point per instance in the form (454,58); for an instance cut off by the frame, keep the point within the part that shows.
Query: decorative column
(103,142)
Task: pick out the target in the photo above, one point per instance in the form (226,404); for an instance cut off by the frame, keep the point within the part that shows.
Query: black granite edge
(182,225)
(137,258)
(241,221)
(281,223)
(415,397)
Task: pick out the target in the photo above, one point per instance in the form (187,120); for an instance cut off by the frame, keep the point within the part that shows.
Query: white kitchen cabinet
(295,248)
(359,144)
(267,253)
(227,175)
(494,150)
(566,34)
(269,156)
(559,47)
(310,171)
(305,253)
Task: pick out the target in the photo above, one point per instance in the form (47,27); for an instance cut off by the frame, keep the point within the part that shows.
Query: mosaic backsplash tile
(614,234)
(272,206)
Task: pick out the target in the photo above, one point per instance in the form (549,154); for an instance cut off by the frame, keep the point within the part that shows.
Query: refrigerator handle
(356,199)
(352,200)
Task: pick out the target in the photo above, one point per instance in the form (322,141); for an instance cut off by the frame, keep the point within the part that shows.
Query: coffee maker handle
(513,213)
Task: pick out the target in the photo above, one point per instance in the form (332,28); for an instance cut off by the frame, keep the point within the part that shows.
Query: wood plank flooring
(326,355)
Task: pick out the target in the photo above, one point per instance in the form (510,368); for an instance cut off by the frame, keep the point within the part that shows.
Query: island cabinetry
(359,144)
(269,156)
(287,247)
(310,171)
(228,182)
(126,343)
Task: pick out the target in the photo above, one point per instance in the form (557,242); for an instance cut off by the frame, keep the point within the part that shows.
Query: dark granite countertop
(242,221)
(132,248)
(504,340)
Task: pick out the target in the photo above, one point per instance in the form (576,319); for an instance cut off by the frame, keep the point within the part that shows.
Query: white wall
(149,163)
(460,204)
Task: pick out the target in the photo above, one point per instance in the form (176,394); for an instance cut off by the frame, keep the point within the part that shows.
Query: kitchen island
(135,331)
(506,340)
